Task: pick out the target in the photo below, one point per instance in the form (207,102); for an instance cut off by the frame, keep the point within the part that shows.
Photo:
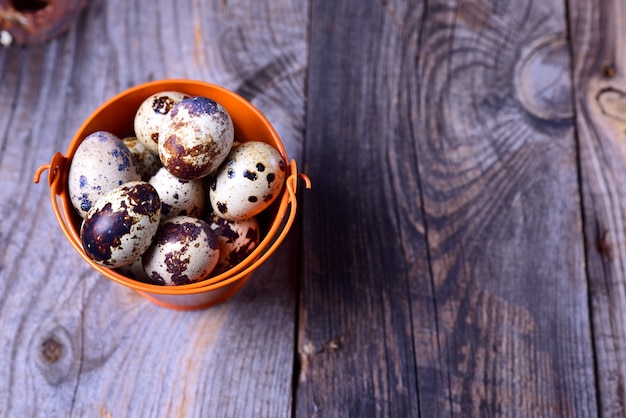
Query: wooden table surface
(462,251)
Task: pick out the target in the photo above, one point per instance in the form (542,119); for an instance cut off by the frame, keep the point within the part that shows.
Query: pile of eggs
(177,202)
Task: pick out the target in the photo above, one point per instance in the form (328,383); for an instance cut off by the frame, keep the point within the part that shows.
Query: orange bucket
(116,116)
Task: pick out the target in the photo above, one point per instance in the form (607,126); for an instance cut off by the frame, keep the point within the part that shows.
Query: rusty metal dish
(28,22)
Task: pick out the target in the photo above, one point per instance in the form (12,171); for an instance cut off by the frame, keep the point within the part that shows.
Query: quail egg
(185,250)
(151,114)
(101,163)
(236,239)
(178,196)
(248,181)
(147,161)
(195,138)
(121,224)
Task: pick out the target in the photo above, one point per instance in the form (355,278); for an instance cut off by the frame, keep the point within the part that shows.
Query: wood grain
(450,279)
(74,344)
(461,250)
(498,166)
(599,74)
(355,343)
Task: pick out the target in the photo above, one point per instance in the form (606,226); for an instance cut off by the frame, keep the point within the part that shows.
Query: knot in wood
(612,103)
(542,79)
(51,349)
(55,357)
(608,71)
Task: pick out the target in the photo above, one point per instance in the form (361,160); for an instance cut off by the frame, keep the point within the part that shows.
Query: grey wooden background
(462,251)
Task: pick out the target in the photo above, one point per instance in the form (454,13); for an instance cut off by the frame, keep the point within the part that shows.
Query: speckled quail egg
(121,225)
(248,181)
(147,161)
(101,163)
(195,138)
(185,250)
(151,114)
(237,239)
(178,196)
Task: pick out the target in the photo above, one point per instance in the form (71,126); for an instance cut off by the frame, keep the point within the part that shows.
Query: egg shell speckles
(248,181)
(151,114)
(178,196)
(101,163)
(184,251)
(196,137)
(121,225)
(147,161)
(237,239)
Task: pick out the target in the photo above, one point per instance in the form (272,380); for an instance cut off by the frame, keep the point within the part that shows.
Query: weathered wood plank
(598,47)
(498,168)
(457,284)
(355,344)
(72,343)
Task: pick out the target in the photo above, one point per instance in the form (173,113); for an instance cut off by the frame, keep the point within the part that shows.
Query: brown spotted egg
(248,181)
(101,163)
(151,114)
(178,196)
(237,239)
(121,225)
(147,162)
(185,250)
(195,138)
